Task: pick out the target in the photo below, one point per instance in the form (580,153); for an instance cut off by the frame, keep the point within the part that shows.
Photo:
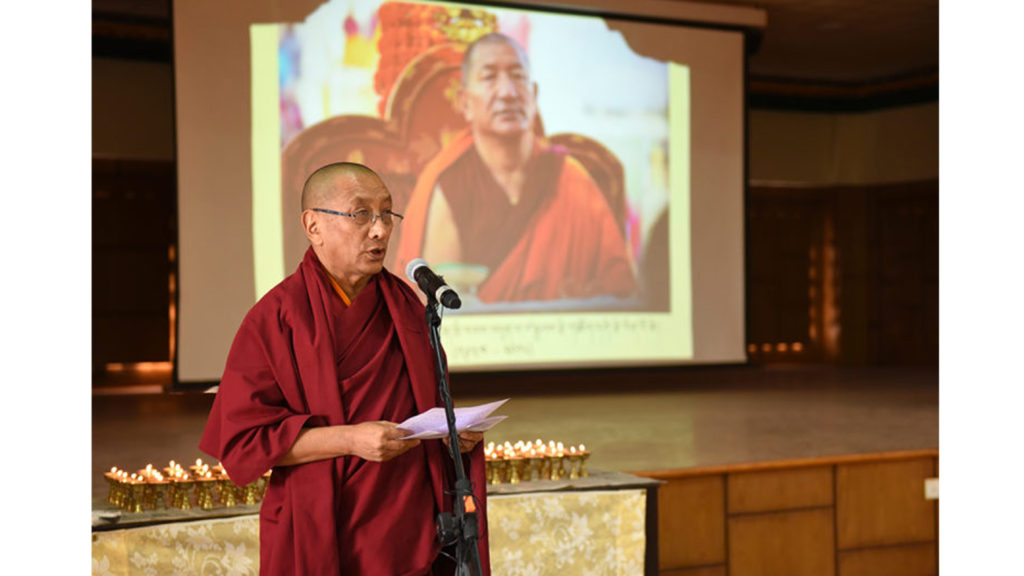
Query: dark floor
(689,418)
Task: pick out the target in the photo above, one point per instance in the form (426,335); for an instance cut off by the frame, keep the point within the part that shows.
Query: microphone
(431,284)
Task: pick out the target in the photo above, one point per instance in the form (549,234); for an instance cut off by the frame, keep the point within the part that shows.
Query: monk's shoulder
(450,153)
(573,168)
(279,305)
(576,185)
(406,296)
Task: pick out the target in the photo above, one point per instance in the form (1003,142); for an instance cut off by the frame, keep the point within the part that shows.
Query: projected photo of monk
(527,153)
(503,202)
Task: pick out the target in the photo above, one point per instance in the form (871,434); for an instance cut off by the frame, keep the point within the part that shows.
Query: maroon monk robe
(488,224)
(294,365)
(559,241)
(375,386)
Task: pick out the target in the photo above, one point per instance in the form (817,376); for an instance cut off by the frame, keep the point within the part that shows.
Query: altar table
(602,525)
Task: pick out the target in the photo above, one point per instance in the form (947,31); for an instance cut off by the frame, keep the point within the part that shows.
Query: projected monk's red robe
(559,241)
(302,358)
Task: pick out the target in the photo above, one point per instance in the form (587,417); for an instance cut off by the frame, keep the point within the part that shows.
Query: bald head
(333,199)
(329,180)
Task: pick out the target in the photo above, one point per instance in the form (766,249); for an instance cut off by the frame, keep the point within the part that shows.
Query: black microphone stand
(458,526)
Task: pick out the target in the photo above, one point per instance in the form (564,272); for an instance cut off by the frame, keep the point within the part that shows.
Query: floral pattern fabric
(566,533)
(593,533)
(220,547)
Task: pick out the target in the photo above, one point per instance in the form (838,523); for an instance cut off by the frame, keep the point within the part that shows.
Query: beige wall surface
(891,145)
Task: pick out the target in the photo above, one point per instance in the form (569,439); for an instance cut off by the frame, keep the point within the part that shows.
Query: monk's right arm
(441,239)
(374,441)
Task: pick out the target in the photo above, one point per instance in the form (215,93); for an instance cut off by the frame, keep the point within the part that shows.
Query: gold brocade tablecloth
(532,534)
(594,533)
(223,546)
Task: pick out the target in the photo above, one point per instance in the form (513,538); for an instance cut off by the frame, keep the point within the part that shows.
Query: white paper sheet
(434,424)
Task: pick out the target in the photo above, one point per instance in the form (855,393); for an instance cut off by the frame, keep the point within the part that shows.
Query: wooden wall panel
(799,543)
(909,560)
(784,237)
(691,522)
(862,258)
(854,244)
(133,233)
(779,489)
(908,275)
(882,503)
(702,571)
(129,338)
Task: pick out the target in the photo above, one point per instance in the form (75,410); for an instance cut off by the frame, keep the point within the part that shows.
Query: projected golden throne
(420,114)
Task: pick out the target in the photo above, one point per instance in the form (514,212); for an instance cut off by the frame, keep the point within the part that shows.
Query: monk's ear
(311,227)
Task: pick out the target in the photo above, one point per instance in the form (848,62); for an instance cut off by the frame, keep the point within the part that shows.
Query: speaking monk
(320,372)
(500,196)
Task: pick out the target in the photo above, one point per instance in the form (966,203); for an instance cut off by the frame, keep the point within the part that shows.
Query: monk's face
(350,252)
(498,98)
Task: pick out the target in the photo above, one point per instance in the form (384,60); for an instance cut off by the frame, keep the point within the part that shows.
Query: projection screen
(649,110)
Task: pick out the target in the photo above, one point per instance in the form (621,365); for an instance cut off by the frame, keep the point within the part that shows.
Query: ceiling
(812,53)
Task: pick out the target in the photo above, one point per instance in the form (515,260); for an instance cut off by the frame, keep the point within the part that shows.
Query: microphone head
(451,300)
(410,269)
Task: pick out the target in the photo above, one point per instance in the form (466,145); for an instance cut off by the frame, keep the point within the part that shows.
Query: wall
(860,188)
(134,195)
(842,236)
(132,110)
(827,149)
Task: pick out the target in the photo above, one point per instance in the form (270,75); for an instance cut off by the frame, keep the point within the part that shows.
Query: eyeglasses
(364,217)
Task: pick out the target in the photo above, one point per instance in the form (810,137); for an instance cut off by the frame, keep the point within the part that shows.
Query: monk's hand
(467,440)
(378,441)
